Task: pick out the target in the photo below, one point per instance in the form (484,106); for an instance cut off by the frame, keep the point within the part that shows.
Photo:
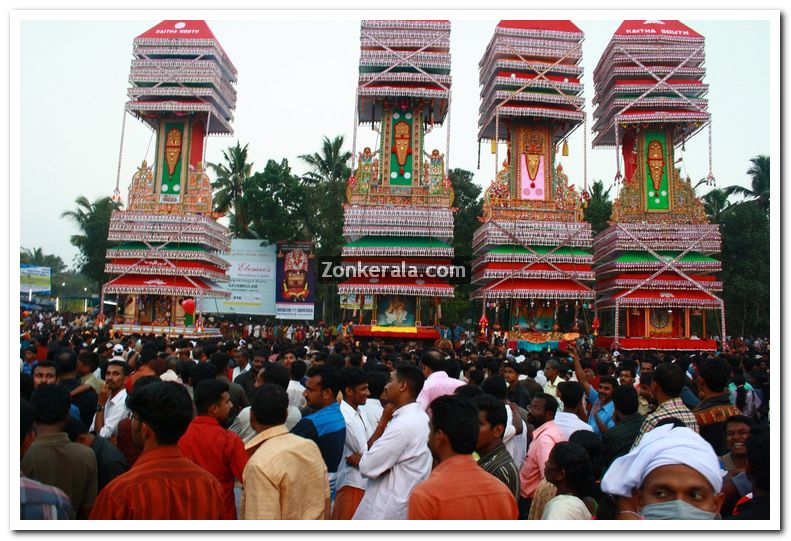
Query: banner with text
(34,279)
(252,280)
(296,280)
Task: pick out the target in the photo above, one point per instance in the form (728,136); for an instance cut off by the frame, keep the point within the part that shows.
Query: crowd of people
(316,425)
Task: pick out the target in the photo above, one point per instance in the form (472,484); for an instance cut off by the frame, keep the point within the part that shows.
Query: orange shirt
(459,489)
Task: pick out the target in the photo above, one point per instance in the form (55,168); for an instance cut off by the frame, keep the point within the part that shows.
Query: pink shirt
(436,385)
(544,439)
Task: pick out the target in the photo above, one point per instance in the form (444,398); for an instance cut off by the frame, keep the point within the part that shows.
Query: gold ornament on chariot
(172,149)
(401,144)
(656,163)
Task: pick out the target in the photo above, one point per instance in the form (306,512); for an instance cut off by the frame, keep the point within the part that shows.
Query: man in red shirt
(209,445)
(459,489)
(163,484)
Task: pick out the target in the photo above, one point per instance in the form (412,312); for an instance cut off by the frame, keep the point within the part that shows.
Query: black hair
(220,361)
(145,380)
(592,444)
(330,378)
(261,353)
(25,385)
(715,373)
(269,404)
(26,419)
(758,456)
(184,370)
(476,376)
(243,352)
(433,359)
(453,368)
(495,409)
(66,360)
(89,359)
(352,377)
(147,354)
(457,417)
(124,366)
(738,419)
(50,403)
(570,393)
(496,386)
(550,402)
(412,375)
(602,369)
(165,406)
(201,372)
(468,390)
(75,428)
(297,369)
(646,378)
(376,383)
(275,373)
(670,378)
(625,399)
(334,360)
(573,459)
(628,367)
(611,380)
(207,393)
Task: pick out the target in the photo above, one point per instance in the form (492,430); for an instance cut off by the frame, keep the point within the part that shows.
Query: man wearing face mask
(673,474)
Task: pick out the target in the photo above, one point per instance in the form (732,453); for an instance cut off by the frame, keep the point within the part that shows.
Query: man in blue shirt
(601,415)
(327,426)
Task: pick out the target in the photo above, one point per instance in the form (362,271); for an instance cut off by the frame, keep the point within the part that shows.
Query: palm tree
(93,222)
(38,258)
(759,182)
(715,202)
(230,180)
(330,165)
(328,175)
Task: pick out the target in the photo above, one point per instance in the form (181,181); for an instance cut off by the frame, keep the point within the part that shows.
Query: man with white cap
(673,474)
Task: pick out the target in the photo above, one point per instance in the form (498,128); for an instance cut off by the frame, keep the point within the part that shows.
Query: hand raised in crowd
(104,395)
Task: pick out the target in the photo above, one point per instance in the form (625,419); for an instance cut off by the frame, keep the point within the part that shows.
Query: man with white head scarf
(672,474)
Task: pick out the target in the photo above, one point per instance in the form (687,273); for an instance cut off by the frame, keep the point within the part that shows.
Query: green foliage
(37,257)
(470,205)
(599,207)
(276,201)
(230,179)
(759,183)
(715,202)
(745,269)
(93,222)
(325,185)
(78,285)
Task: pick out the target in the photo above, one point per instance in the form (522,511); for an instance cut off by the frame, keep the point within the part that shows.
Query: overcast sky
(297,81)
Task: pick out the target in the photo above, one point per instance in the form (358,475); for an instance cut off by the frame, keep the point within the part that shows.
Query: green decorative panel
(171,157)
(656,164)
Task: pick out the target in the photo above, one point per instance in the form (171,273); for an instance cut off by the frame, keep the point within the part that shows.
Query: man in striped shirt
(163,484)
(494,457)
(666,386)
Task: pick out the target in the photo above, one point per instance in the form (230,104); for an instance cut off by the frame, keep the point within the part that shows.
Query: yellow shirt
(285,478)
(95,383)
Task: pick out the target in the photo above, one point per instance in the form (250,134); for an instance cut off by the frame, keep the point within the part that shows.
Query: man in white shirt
(242,359)
(398,457)
(111,408)
(437,383)
(372,409)
(350,484)
(552,373)
(570,394)
(295,390)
